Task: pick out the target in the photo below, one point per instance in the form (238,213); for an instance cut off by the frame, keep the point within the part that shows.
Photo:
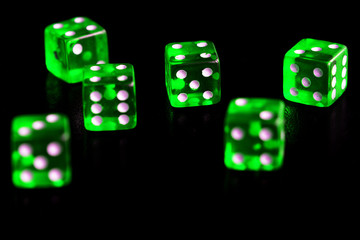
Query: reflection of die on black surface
(63,97)
(318,134)
(108,156)
(195,121)
(42,200)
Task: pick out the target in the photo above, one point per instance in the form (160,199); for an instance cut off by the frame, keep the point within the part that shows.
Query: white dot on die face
(123,119)
(265,159)
(317,96)
(182,97)
(333,82)
(24,131)
(51,118)
(202,44)
(238,158)
(180,57)
(55,174)
(79,20)
(299,51)
(70,33)
(176,46)
(95,96)
(316,49)
(294,68)
(122,95)
(181,74)
(77,49)
(25,150)
(294,91)
(237,133)
(96,108)
(333,46)
(122,78)
(240,102)
(123,107)
(208,94)
(343,73)
(266,115)
(37,125)
(26,176)
(306,82)
(91,27)
(333,70)
(96,120)
(194,84)
(121,67)
(95,79)
(344,60)
(318,72)
(333,94)
(207,72)
(95,68)
(100,62)
(343,84)
(58,25)
(205,55)
(40,162)
(265,134)
(54,149)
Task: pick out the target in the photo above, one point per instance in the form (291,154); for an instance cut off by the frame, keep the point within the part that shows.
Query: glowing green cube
(40,151)
(254,134)
(315,72)
(109,99)
(72,44)
(192,72)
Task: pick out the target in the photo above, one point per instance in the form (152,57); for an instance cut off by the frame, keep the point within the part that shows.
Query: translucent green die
(315,72)
(192,72)
(72,44)
(40,151)
(109,100)
(254,134)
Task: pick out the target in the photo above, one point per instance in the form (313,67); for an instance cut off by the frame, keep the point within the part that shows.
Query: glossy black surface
(173,160)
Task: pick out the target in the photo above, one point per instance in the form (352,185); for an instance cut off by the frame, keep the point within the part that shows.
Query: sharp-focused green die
(40,151)
(72,44)
(315,72)
(109,100)
(254,134)
(192,72)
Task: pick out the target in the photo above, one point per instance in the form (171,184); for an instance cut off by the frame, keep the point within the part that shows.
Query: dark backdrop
(173,161)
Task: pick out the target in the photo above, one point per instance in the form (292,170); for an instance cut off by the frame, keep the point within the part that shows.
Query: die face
(190,52)
(41,151)
(72,44)
(254,134)
(315,72)
(192,74)
(109,97)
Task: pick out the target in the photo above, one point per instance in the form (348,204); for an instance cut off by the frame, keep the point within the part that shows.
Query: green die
(72,44)
(40,151)
(254,134)
(315,72)
(192,72)
(109,100)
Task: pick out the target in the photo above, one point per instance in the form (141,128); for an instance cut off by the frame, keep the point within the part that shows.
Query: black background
(172,162)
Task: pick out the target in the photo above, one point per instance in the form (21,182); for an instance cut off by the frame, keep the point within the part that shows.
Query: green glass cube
(315,72)
(40,147)
(72,44)
(109,99)
(192,74)
(254,134)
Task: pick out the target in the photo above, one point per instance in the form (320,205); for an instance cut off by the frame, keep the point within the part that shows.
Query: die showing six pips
(76,50)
